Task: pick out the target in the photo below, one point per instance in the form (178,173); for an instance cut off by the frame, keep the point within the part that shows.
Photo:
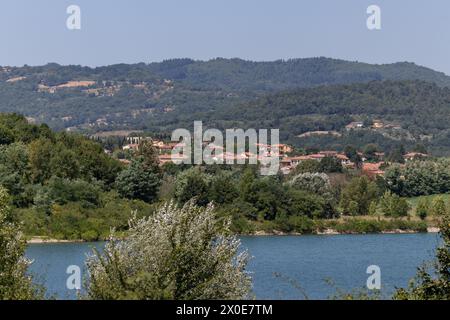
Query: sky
(34,32)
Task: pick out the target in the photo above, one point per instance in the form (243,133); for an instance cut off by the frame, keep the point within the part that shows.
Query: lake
(283,267)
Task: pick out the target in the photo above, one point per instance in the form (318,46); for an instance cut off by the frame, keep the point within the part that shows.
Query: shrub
(15,283)
(179,253)
(393,206)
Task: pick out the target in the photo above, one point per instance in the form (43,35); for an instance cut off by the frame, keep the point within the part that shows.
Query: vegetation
(419,178)
(181,253)
(432,284)
(64,186)
(15,282)
(297,96)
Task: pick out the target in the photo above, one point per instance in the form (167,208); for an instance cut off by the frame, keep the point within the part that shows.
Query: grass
(414,201)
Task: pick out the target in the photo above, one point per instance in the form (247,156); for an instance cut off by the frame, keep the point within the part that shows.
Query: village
(288,156)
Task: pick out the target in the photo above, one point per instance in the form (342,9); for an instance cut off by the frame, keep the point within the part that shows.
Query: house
(372,169)
(378,124)
(296,160)
(345,161)
(267,148)
(133,147)
(380,155)
(167,158)
(329,154)
(355,125)
(414,155)
(317,156)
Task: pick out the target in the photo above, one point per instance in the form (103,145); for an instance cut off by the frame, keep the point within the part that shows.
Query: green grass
(414,201)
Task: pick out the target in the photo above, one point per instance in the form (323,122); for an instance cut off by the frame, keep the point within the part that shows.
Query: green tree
(192,183)
(353,155)
(423,208)
(64,163)
(370,150)
(396,155)
(432,284)
(330,165)
(178,253)
(150,156)
(223,189)
(438,207)
(311,166)
(393,206)
(40,154)
(15,283)
(138,182)
(357,196)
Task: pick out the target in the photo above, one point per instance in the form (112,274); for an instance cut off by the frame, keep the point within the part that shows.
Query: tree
(179,254)
(15,283)
(393,206)
(321,194)
(423,208)
(40,154)
(138,182)
(420,148)
(438,207)
(150,156)
(318,183)
(396,155)
(192,183)
(432,284)
(358,195)
(370,150)
(64,163)
(353,155)
(330,165)
(311,166)
(223,189)
(14,173)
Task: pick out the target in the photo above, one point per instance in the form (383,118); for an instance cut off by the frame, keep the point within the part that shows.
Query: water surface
(299,261)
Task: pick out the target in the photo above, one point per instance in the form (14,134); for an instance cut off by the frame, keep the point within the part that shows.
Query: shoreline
(332,232)
(43,240)
(327,232)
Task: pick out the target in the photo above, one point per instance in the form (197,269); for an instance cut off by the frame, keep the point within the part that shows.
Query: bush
(438,207)
(15,283)
(423,207)
(393,206)
(138,182)
(179,253)
(90,236)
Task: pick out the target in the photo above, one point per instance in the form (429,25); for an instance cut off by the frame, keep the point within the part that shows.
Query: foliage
(139,181)
(423,208)
(419,178)
(357,196)
(393,206)
(192,184)
(439,207)
(432,284)
(179,253)
(15,282)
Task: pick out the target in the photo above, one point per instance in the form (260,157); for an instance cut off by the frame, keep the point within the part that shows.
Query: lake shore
(43,240)
(334,232)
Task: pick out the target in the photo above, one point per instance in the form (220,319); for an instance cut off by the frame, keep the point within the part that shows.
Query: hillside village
(286,153)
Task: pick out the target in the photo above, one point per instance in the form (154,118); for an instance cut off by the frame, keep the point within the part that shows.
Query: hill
(390,112)
(167,94)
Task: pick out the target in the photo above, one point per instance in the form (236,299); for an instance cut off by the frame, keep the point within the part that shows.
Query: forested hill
(237,74)
(404,111)
(163,95)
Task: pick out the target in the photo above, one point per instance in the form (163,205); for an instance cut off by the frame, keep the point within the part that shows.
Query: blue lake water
(306,261)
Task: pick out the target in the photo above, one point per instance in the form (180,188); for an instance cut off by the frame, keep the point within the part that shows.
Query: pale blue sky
(114,31)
